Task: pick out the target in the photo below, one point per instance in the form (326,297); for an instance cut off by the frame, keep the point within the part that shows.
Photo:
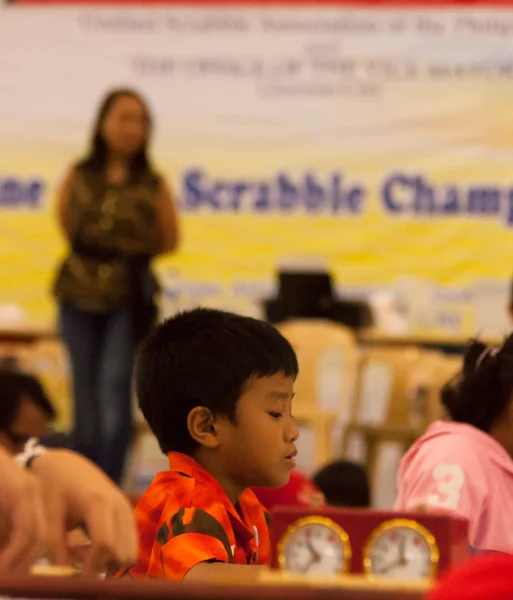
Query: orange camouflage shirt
(185,518)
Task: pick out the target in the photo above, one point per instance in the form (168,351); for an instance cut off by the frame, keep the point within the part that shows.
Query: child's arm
(193,544)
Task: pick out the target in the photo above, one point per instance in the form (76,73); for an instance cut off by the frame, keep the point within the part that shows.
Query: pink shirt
(459,468)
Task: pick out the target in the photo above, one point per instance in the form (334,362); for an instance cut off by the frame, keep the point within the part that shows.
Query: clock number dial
(315,546)
(401,549)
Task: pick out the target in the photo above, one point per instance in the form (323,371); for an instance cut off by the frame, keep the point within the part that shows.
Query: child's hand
(23,526)
(78,494)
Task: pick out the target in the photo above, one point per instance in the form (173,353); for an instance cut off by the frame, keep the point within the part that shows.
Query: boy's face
(259,450)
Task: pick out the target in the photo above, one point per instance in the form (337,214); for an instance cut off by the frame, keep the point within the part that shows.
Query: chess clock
(378,544)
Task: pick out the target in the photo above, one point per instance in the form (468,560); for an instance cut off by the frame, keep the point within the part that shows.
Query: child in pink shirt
(465,466)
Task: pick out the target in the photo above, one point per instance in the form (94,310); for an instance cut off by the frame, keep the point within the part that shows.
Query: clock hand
(316,557)
(402,550)
(387,568)
(307,567)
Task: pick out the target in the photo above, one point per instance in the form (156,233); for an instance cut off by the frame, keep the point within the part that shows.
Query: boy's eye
(275,415)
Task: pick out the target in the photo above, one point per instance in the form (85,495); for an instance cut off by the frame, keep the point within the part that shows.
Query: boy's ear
(201,424)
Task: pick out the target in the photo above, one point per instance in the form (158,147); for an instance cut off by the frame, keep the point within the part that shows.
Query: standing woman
(117,214)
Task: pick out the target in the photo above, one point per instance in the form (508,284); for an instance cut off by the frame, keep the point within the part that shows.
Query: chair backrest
(49,362)
(382,407)
(328,356)
(424,388)
(382,386)
(447,369)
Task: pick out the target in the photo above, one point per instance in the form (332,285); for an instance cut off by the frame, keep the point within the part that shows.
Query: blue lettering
(347,201)
(351,200)
(287,193)
(283,193)
(338,192)
(216,195)
(484,200)
(392,188)
(35,193)
(424,199)
(11,192)
(192,195)
(263,200)
(16,193)
(355,199)
(238,191)
(509,216)
(448,319)
(314,194)
(452,198)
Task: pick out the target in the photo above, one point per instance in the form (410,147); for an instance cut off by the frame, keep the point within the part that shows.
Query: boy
(216,389)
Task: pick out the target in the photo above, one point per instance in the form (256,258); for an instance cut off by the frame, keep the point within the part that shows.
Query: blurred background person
(464,466)
(116,214)
(487,577)
(25,410)
(344,483)
(299,491)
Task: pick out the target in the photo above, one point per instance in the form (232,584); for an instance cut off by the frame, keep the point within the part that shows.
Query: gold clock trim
(315,520)
(428,537)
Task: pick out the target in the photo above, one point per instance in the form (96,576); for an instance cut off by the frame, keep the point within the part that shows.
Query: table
(26,335)
(448,344)
(275,587)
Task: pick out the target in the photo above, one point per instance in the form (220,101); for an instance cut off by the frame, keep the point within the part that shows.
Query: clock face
(401,549)
(315,546)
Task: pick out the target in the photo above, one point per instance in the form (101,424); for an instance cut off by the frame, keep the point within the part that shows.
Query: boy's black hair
(13,387)
(204,357)
(344,483)
(483,389)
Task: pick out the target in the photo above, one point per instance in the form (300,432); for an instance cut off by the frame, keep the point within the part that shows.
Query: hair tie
(487,351)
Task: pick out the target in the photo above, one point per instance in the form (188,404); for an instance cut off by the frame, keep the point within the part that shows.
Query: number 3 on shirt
(451,479)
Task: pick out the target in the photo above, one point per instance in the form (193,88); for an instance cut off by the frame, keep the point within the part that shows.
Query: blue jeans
(101,350)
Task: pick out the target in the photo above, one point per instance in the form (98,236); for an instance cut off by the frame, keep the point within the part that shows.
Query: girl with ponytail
(465,465)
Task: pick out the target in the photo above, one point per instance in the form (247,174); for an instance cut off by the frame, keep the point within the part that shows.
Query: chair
(381,426)
(427,379)
(382,387)
(49,361)
(448,368)
(424,389)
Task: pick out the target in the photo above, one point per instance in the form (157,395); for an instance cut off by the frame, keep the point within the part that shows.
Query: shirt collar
(182,463)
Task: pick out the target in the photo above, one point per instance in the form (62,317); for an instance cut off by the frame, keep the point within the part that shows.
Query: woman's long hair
(96,159)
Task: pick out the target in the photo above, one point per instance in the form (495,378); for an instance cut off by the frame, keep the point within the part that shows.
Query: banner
(376,140)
